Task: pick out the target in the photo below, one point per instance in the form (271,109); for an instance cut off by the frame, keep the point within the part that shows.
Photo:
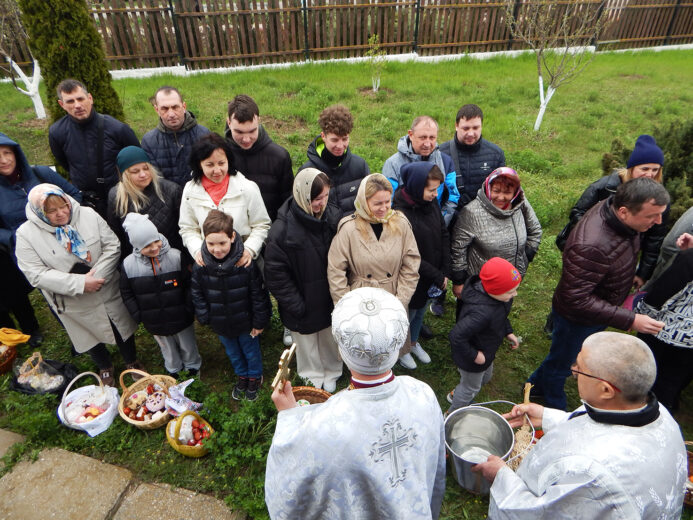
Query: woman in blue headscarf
(69,253)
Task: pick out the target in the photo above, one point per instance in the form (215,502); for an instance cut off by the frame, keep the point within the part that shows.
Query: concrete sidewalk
(65,485)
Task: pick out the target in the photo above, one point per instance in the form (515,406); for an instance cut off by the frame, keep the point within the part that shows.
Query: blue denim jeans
(566,342)
(244,353)
(416,317)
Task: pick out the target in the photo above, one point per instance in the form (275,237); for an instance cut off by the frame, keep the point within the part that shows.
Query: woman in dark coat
(296,274)
(17,178)
(142,190)
(417,199)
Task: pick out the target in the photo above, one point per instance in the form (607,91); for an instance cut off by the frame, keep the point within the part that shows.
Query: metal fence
(222,33)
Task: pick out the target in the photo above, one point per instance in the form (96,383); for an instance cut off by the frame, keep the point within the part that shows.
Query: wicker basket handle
(179,423)
(688,443)
(142,373)
(67,390)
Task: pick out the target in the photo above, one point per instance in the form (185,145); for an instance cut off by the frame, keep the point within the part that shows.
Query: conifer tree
(64,39)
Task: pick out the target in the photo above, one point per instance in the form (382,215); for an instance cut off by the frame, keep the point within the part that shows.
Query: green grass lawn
(618,96)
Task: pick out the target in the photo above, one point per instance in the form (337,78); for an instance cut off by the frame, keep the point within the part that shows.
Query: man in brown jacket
(599,263)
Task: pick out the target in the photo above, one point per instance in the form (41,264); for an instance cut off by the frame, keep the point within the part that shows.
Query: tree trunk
(32,87)
(542,107)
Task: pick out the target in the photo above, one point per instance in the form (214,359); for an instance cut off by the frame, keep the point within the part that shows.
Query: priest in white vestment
(619,456)
(373,451)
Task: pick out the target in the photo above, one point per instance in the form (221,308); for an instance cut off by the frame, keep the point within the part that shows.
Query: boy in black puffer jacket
(155,291)
(232,300)
(481,326)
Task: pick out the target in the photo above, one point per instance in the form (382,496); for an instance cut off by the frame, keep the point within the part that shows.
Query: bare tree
(559,34)
(11,33)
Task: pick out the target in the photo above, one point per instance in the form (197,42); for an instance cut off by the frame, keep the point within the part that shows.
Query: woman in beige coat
(375,247)
(70,254)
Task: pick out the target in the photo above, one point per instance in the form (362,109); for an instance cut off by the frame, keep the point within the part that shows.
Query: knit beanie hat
(370,326)
(129,156)
(498,276)
(141,231)
(646,151)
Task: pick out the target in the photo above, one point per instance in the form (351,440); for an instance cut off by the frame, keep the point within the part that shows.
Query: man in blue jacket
(170,142)
(87,143)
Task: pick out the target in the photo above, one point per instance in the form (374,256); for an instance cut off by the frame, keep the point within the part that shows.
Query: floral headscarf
(361,203)
(67,236)
(508,174)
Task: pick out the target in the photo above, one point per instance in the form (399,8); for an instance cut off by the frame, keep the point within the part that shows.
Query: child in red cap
(481,326)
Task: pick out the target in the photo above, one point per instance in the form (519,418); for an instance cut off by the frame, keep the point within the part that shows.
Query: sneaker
(426,332)
(254,384)
(239,390)
(36,339)
(407,361)
(106,376)
(437,308)
(192,372)
(288,340)
(329,387)
(451,393)
(420,353)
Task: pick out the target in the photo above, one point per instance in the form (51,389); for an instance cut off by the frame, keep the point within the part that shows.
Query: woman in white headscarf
(375,247)
(70,254)
(296,275)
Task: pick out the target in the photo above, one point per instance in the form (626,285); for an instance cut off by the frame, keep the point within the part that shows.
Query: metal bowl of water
(471,431)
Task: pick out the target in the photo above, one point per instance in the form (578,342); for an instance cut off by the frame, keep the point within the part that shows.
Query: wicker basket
(6,365)
(688,493)
(184,449)
(310,394)
(140,385)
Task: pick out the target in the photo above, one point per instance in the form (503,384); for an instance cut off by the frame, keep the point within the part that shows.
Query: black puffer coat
(473,163)
(74,145)
(432,239)
(345,178)
(162,213)
(231,300)
(650,241)
(598,269)
(170,150)
(296,266)
(482,325)
(268,165)
(156,291)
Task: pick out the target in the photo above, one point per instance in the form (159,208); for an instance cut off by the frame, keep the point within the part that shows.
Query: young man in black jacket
(87,143)
(330,153)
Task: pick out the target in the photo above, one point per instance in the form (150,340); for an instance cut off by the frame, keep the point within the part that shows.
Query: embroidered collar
(356,383)
(640,417)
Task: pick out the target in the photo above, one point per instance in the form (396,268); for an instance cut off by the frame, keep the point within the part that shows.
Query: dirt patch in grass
(368,91)
(34,123)
(285,126)
(632,76)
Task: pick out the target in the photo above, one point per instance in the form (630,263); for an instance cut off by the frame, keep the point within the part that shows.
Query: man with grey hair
(599,262)
(375,450)
(618,456)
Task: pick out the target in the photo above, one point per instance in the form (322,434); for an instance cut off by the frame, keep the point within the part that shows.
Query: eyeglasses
(576,372)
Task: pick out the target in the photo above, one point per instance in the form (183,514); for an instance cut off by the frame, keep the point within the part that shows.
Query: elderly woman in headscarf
(70,254)
(296,275)
(375,247)
(498,222)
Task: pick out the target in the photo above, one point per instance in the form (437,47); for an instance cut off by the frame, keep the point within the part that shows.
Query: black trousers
(674,370)
(102,357)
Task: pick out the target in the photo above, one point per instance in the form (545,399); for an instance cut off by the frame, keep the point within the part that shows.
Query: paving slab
(62,485)
(7,439)
(157,501)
